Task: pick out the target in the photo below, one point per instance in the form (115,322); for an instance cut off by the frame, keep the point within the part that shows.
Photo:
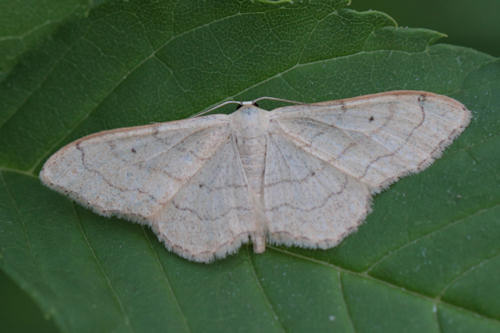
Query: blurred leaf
(14,302)
(423,261)
(468,23)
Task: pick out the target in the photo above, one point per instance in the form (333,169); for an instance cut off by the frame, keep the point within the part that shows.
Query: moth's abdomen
(253,156)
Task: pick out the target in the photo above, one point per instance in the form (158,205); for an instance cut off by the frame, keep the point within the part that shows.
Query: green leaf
(15,301)
(23,24)
(426,259)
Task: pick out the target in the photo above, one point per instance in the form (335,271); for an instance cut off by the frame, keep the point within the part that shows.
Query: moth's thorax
(249,126)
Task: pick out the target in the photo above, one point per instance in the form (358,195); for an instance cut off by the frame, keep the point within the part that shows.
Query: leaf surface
(423,261)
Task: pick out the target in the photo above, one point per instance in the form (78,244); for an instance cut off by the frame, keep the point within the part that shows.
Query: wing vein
(161,205)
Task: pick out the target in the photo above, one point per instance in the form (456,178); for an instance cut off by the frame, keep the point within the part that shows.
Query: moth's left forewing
(325,160)
(307,201)
(376,138)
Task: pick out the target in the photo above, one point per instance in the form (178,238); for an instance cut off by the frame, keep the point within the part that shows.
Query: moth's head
(248,109)
(249,115)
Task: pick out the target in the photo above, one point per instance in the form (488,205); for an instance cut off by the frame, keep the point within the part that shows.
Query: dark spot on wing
(133,150)
(371,119)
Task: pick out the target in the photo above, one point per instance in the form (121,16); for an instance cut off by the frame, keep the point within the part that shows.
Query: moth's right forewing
(132,172)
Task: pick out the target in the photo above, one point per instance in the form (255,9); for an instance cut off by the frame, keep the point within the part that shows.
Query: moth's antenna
(215,107)
(276,99)
(246,103)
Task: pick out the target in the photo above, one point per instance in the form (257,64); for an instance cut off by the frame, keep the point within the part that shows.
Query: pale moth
(300,175)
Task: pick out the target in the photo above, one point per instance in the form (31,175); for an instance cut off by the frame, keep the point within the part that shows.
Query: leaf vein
(344,300)
(456,221)
(465,272)
(169,284)
(386,283)
(124,313)
(28,242)
(261,288)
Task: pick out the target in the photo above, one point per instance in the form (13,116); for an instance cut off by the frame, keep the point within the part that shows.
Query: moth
(300,175)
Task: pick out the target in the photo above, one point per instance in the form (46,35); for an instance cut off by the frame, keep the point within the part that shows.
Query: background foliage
(425,260)
(473,24)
